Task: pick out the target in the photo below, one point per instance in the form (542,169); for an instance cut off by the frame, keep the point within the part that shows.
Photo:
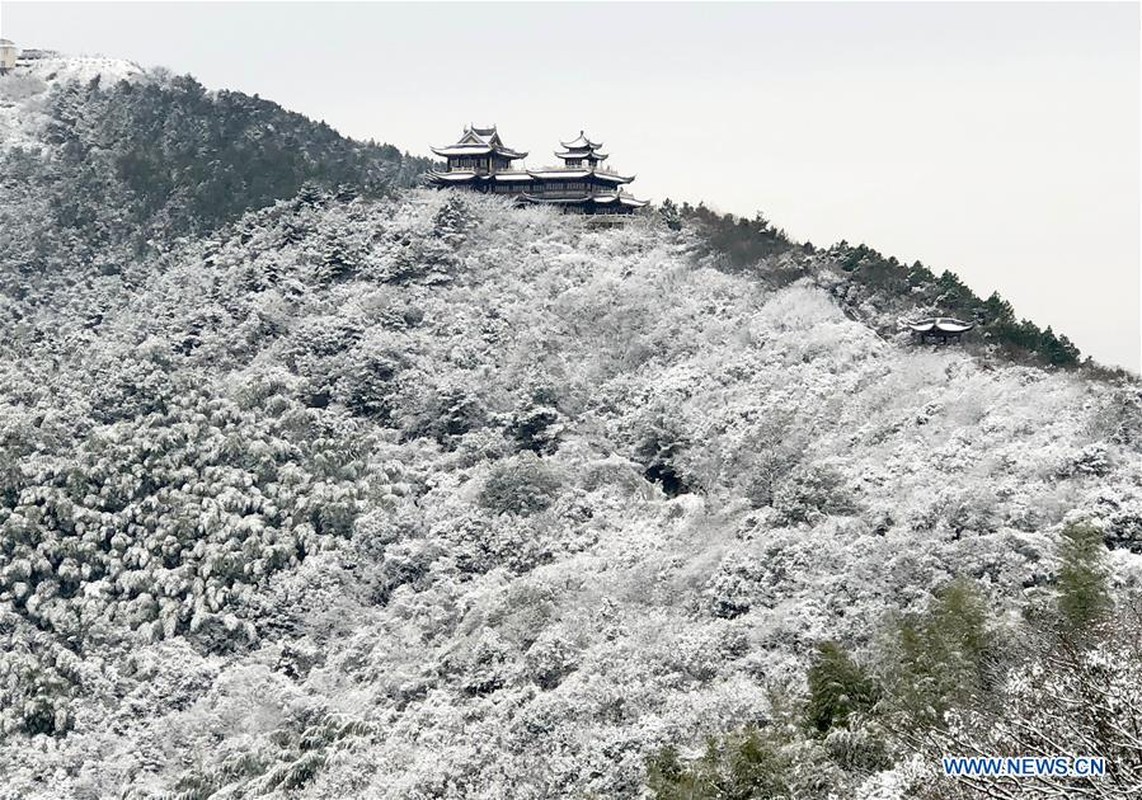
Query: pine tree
(1083,599)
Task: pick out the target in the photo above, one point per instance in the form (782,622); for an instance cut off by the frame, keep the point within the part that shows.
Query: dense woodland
(315,485)
(879,290)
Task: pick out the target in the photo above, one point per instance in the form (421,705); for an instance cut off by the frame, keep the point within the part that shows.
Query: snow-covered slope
(368,499)
(24,92)
(64,68)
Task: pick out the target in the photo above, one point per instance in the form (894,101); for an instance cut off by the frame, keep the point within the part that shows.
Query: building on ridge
(8,54)
(482,162)
(581,182)
(942,328)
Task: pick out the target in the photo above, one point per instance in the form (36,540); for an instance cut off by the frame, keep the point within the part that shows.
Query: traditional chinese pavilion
(481,161)
(942,328)
(582,182)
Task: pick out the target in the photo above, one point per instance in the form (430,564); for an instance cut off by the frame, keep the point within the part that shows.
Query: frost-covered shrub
(746,763)
(452,219)
(478,544)
(367,381)
(536,429)
(813,492)
(616,474)
(1092,460)
(735,588)
(522,484)
(486,663)
(550,659)
(444,412)
(404,563)
(660,438)
(762,472)
(537,424)
(1124,527)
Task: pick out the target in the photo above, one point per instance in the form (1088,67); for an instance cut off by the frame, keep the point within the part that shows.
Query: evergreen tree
(944,655)
(745,765)
(838,688)
(671,215)
(1083,599)
(997,309)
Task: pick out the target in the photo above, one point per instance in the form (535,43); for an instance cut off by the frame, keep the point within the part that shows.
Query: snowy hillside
(102,167)
(431,497)
(24,109)
(59,69)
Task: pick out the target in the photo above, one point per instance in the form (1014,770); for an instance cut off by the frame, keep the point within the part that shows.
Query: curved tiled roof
(479,142)
(940,325)
(581,142)
(581,152)
(572,174)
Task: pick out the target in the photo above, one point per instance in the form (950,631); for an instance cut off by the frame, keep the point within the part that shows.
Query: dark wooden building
(482,162)
(582,182)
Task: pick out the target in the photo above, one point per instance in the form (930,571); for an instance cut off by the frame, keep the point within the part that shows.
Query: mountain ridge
(416,494)
(873,287)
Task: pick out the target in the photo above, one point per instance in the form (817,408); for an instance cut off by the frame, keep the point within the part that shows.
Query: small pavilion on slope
(480,161)
(941,328)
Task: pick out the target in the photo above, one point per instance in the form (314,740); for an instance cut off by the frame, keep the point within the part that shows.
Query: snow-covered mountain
(389,493)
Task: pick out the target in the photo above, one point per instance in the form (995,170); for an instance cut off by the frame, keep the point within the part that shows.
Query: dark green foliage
(670,215)
(739,766)
(883,282)
(1084,598)
(743,242)
(998,310)
(1058,350)
(838,688)
(891,286)
(919,275)
(163,157)
(945,655)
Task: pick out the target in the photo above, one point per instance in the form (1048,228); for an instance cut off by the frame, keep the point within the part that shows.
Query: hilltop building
(942,328)
(29,57)
(482,162)
(12,57)
(8,55)
(582,182)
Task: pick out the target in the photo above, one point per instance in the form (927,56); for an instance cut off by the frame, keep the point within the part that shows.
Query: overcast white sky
(998,140)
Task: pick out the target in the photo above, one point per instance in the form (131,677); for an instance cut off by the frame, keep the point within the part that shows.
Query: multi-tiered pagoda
(482,162)
(582,182)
